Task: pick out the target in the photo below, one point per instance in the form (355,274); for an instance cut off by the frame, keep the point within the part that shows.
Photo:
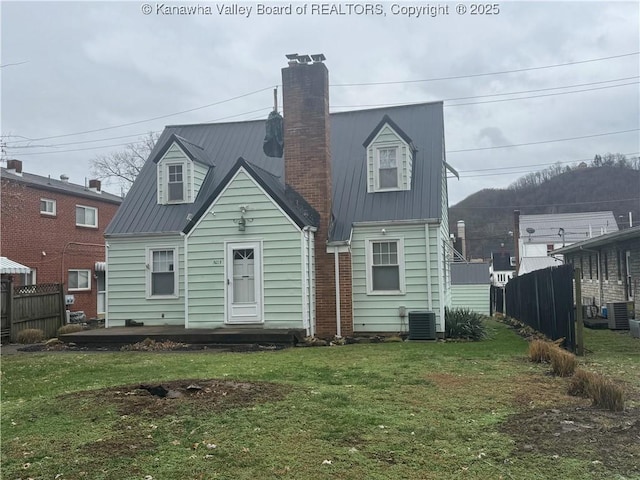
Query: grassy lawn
(369,411)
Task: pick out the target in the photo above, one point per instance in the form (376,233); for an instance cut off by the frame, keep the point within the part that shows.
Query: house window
(163,273)
(47,207)
(175,183)
(79,280)
(388,168)
(386,267)
(549,247)
(86,216)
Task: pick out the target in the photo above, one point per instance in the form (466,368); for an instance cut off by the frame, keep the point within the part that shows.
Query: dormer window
(388,168)
(175,183)
(389,157)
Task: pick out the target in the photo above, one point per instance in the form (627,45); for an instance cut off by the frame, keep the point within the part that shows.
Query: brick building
(56,228)
(610,267)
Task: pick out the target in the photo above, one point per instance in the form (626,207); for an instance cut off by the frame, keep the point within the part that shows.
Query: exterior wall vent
(422,325)
(619,314)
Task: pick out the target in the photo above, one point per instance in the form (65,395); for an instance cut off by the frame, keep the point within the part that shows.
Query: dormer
(390,154)
(181,167)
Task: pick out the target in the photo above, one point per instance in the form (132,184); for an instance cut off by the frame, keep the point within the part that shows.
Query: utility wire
(336,85)
(396,104)
(544,141)
(547,204)
(435,79)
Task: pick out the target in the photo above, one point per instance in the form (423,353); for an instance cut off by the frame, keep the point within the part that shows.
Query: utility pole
(577,277)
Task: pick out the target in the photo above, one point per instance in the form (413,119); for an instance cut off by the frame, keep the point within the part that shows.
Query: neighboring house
(502,268)
(541,234)
(470,286)
(56,229)
(610,267)
(342,236)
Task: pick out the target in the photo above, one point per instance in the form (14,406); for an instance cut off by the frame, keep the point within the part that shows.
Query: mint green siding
(282,257)
(388,138)
(199,172)
(473,297)
(127,279)
(422,247)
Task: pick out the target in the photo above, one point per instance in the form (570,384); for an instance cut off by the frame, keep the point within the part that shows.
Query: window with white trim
(79,279)
(385,266)
(175,183)
(86,216)
(47,206)
(163,275)
(388,168)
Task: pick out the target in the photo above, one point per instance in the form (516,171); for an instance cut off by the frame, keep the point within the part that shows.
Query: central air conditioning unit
(619,314)
(422,325)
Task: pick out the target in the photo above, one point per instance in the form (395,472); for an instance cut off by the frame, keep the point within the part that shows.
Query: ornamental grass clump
(563,363)
(71,328)
(539,351)
(462,323)
(30,335)
(602,391)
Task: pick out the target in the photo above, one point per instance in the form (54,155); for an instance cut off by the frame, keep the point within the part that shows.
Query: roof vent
(294,58)
(64,178)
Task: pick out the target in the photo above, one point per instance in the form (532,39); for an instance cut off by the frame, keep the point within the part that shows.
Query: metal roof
(502,261)
(469,273)
(619,236)
(577,226)
(53,185)
(530,264)
(10,267)
(224,143)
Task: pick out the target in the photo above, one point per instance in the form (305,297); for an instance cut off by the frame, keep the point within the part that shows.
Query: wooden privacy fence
(543,299)
(32,306)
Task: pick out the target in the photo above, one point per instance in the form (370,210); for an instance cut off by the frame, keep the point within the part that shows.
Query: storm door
(244,283)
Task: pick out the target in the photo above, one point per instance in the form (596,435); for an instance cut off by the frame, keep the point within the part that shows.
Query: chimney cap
(64,177)
(295,58)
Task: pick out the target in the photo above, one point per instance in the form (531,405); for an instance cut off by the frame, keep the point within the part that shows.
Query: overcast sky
(70,67)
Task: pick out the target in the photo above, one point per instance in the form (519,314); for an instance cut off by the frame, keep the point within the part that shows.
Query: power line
(485,74)
(148,119)
(450,99)
(123,144)
(544,141)
(634,199)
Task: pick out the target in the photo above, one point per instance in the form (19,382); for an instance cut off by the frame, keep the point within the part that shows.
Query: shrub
(539,351)
(71,328)
(602,391)
(579,385)
(606,394)
(563,363)
(464,323)
(30,335)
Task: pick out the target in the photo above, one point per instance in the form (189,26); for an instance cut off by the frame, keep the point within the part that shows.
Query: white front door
(244,282)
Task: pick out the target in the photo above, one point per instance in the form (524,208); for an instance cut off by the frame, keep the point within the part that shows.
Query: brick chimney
(95,185)
(307,167)
(15,167)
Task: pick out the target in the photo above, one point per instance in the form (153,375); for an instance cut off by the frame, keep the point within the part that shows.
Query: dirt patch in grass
(163,398)
(609,439)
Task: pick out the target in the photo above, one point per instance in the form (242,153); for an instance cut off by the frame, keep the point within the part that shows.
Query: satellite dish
(530,230)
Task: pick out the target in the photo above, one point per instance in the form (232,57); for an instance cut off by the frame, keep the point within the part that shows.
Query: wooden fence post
(577,275)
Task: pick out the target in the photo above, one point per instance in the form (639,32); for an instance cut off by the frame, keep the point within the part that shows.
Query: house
(342,236)
(470,284)
(610,267)
(55,228)
(540,234)
(502,268)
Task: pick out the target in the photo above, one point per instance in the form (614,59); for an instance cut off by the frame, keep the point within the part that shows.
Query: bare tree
(125,165)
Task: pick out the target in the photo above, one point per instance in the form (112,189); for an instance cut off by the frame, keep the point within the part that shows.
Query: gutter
(376,223)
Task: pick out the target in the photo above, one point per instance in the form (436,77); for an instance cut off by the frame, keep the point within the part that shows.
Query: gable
(389,158)
(177,165)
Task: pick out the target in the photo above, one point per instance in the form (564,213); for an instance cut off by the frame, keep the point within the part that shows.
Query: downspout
(186,281)
(428,253)
(106,285)
(337,274)
(312,291)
